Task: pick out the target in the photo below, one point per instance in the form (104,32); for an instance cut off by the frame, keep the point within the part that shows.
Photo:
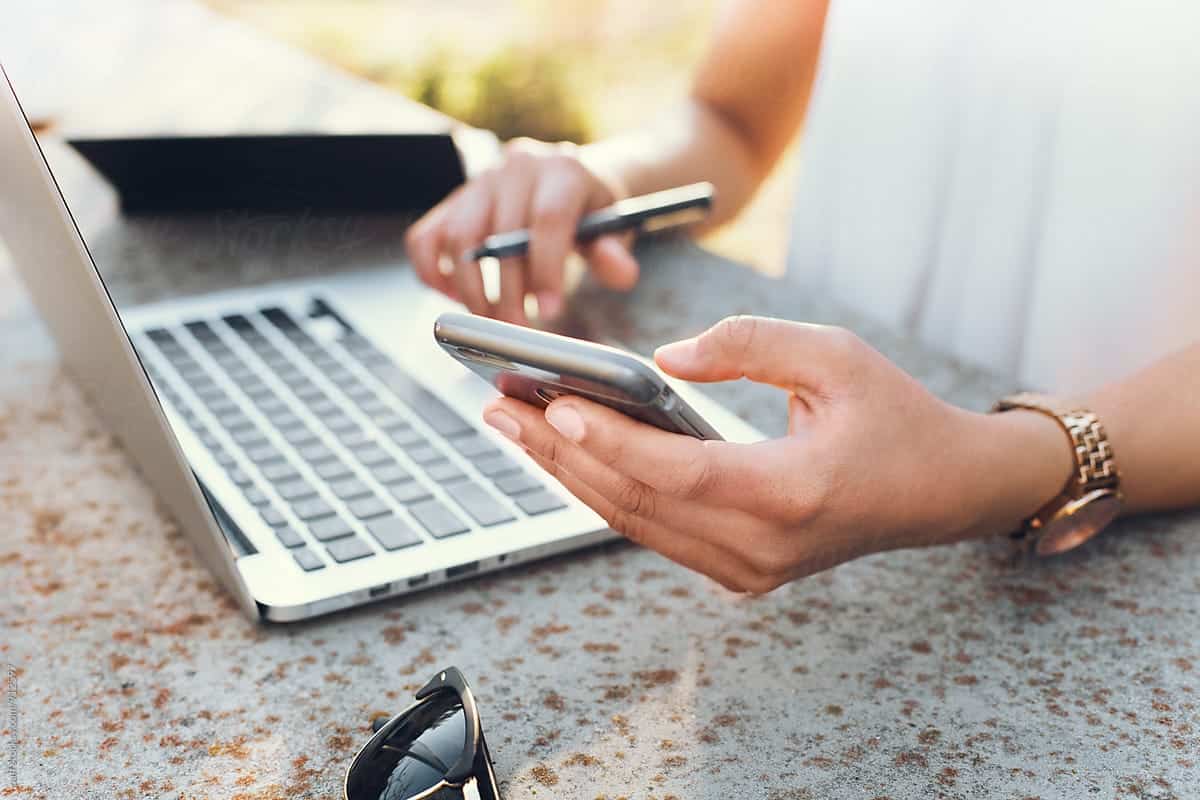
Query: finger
(555,208)
(466,227)
(423,246)
(718,563)
(612,262)
(791,355)
(510,213)
(619,455)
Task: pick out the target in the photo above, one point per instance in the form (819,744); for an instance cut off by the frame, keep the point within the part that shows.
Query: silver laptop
(314,444)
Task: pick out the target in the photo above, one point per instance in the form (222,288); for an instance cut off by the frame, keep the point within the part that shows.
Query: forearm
(695,143)
(1022,459)
(1153,421)
(748,98)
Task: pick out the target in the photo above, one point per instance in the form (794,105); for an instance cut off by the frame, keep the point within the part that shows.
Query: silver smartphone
(538,367)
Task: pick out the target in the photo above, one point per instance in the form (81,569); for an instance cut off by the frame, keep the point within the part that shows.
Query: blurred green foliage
(517,91)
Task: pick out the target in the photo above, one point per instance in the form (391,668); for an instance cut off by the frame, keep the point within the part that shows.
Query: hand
(872,461)
(543,187)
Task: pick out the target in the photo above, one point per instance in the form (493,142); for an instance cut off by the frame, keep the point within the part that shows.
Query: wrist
(1021,460)
(606,170)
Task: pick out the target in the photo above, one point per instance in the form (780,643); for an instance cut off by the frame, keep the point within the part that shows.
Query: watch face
(1079,521)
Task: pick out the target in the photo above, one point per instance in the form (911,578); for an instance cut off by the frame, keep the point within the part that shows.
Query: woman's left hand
(872,461)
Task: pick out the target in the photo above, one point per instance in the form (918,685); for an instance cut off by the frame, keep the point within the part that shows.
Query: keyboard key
(312,509)
(356,437)
(499,464)
(288,537)
(208,391)
(329,529)
(163,337)
(279,318)
(476,446)
(439,416)
(295,490)
(390,473)
(408,492)
(367,507)
(240,478)
(332,470)
(340,422)
(436,518)
(307,559)
(517,483)
(349,549)
(301,436)
(406,436)
(239,323)
(443,471)
(539,502)
(393,533)
(372,454)
(273,516)
(316,453)
(479,503)
(270,405)
(264,454)
(319,357)
(201,331)
(256,389)
(375,408)
(309,392)
(285,420)
(388,420)
(289,374)
(256,497)
(350,488)
(279,471)
(433,411)
(249,438)
(424,454)
(323,407)
(224,407)
(225,458)
(235,421)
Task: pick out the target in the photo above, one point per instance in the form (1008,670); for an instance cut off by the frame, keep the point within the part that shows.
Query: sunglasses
(432,750)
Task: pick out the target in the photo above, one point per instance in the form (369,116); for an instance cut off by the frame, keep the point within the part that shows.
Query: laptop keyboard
(341,451)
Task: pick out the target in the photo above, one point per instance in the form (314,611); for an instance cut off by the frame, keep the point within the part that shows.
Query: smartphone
(538,367)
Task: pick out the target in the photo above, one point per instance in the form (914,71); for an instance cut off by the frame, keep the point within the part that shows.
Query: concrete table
(610,673)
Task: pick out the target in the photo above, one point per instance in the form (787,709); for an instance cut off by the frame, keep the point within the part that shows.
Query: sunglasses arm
(451,680)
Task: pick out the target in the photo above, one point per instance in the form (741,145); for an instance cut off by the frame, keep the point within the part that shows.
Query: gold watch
(1091,498)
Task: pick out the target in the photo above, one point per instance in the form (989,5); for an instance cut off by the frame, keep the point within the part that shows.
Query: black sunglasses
(432,750)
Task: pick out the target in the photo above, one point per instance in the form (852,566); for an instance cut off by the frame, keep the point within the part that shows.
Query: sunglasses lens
(412,758)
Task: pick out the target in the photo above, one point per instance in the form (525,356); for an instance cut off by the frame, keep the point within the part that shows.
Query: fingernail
(549,304)
(676,352)
(566,421)
(503,423)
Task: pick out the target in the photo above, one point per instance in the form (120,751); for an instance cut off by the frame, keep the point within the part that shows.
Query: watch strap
(1095,469)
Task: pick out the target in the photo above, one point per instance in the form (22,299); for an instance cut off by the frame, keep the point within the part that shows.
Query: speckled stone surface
(612,673)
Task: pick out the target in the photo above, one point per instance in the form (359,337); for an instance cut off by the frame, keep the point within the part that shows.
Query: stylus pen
(682,205)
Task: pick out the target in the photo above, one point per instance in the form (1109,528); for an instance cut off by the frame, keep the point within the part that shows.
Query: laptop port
(380,590)
(462,569)
(420,580)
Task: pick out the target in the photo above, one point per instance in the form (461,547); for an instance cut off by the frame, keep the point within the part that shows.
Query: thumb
(612,262)
(765,350)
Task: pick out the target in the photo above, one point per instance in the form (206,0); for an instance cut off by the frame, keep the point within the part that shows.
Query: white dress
(1016,182)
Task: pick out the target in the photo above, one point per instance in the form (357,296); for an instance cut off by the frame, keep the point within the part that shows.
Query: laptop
(309,438)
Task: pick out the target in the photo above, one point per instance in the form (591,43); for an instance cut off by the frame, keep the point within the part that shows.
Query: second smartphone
(538,367)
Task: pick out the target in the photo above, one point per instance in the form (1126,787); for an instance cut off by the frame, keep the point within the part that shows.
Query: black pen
(682,205)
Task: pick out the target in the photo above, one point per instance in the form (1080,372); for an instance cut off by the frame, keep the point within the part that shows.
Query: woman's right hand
(543,187)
